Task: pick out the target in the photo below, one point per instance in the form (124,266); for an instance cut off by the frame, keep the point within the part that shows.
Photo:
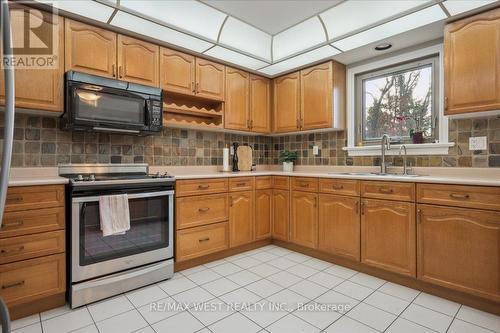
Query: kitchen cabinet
(177,71)
(260,104)
(339,225)
(304,219)
(316,86)
(199,241)
(241,218)
(210,79)
(460,249)
(39,89)
(286,99)
(138,61)
(90,49)
(472,64)
(281,214)
(388,235)
(236,110)
(263,213)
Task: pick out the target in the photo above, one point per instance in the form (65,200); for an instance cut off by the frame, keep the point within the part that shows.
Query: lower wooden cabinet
(263,213)
(460,249)
(199,241)
(281,214)
(339,225)
(241,218)
(304,219)
(388,235)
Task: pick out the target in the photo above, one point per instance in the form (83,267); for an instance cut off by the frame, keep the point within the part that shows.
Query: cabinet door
(260,104)
(210,77)
(388,235)
(472,64)
(281,214)
(460,249)
(41,89)
(138,61)
(339,225)
(90,49)
(241,218)
(177,71)
(236,114)
(263,213)
(304,221)
(316,89)
(287,103)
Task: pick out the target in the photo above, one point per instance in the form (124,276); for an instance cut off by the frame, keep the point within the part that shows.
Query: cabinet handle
(315,201)
(12,285)
(241,184)
(298,123)
(419,216)
(230,201)
(362,208)
(193,89)
(251,123)
(13,224)
(338,187)
(386,190)
(248,124)
(15,199)
(15,250)
(301,123)
(459,196)
(357,207)
(120,71)
(206,239)
(203,187)
(304,185)
(113,69)
(197,87)
(204,209)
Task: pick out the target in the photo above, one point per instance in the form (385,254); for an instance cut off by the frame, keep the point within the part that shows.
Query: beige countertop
(463,176)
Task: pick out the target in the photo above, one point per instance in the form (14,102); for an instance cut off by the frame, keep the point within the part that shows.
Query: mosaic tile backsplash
(39,142)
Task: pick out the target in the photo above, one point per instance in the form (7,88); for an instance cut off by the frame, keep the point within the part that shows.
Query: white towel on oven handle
(114,214)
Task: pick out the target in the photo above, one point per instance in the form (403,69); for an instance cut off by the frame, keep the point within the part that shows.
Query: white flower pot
(288,166)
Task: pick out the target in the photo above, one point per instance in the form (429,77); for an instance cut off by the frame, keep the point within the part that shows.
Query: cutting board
(245,158)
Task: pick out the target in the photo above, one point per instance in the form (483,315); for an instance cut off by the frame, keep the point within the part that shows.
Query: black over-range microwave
(94,103)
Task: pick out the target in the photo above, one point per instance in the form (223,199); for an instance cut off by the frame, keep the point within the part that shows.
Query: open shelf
(181,111)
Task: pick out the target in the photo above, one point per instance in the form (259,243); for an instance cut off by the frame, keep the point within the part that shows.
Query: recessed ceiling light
(383,46)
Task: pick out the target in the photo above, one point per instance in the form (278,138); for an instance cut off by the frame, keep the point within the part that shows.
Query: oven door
(150,238)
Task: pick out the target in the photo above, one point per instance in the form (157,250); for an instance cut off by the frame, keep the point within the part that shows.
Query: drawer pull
(203,187)
(338,187)
(13,224)
(206,239)
(15,199)
(204,209)
(386,190)
(241,184)
(12,285)
(459,196)
(304,185)
(15,250)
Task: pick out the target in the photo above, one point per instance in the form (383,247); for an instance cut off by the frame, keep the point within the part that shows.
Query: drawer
(388,190)
(28,280)
(200,241)
(305,184)
(31,246)
(241,184)
(481,197)
(200,186)
(281,182)
(339,186)
(33,197)
(32,221)
(200,210)
(263,182)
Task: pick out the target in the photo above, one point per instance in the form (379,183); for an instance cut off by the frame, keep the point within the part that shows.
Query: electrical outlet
(478,143)
(315,150)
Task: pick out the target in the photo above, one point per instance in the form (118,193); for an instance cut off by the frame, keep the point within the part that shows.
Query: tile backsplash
(39,142)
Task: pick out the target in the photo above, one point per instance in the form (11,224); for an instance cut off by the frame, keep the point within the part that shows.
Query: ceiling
(277,36)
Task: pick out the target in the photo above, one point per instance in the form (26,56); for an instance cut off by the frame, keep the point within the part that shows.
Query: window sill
(412,149)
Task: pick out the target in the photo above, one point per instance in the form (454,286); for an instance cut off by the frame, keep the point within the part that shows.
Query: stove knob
(165,175)
(92,178)
(79,178)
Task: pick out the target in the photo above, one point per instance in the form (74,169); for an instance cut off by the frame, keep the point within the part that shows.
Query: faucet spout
(385,143)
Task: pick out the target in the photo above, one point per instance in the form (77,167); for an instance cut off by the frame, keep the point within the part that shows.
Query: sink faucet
(403,148)
(385,143)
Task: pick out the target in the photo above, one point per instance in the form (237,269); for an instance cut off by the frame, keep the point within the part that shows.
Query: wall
(39,142)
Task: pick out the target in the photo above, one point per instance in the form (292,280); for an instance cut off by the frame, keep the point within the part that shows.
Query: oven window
(148,231)
(109,108)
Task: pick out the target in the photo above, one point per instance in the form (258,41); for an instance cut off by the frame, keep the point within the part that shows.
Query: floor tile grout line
(453,319)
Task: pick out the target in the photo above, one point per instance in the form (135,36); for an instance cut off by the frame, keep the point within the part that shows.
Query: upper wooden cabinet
(286,99)
(316,96)
(236,110)
(241,218)
(472,64)
(41,89)
(304,219)
(90,49)
(177,71)
(210,77)
(138,61)
(260,104)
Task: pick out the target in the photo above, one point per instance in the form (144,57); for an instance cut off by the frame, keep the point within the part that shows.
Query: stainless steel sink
(371,174)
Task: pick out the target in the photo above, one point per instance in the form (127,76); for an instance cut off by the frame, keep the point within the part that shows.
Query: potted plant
(288,157)
(416,131)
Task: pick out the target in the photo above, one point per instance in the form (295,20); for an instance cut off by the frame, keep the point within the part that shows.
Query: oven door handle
(130,196)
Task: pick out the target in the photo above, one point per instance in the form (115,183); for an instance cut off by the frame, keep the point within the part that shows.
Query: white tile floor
(269,276)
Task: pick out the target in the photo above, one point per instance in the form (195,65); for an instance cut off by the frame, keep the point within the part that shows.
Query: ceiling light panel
(455,7)
(150,29)
(189,15)
(303,59)
(235,58)
(298,38)
(242,36)
(352,15)
(85,8)
(402,24)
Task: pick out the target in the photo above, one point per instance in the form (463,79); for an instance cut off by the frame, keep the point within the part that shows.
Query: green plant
(288,156)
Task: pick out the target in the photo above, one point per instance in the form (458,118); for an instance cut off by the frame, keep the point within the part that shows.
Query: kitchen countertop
(35,176)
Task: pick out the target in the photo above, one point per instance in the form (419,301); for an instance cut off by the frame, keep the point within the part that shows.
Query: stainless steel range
(102,266)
